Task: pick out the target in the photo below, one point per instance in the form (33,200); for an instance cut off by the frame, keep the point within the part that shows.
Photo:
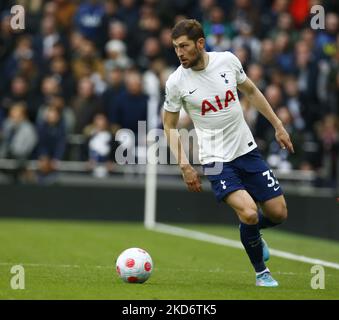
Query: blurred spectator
(132,104)
(149,22)
(28,69)
(256,74)
(49,8)
(52,144)
(306,71)
(332,89)
(148,28)
(20,92)
(269,16)
(331,5)
(328,134)
(60,69)
(151,78)
(293,102)
(89,20)
(58,51)
(277,157)
(167,48)
(75,41)
(247,39)
(65,11)
(117,30)
(217,17)
(263,129)
(23,49)
(116,86)
(245,12)
(87,58)
(285,25)
(300,10)
(267,58)
(284,56)
(216,41)
(50,86)
(7,42)
(116,56)
(243,55)
(85,105)
(88,63)
(129,13)
(151,51)
(308,36)
(44,42)
(18,138)
(57,102)
(326,39)
(201,12)
(111,9)
(99,145)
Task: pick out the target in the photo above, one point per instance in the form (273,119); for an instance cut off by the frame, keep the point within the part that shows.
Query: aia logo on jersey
(207,106)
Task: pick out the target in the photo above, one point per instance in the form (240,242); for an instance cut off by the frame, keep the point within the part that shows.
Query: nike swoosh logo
(275,189)
(190,92)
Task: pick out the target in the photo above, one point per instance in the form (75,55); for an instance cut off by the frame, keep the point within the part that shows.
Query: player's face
(188,52)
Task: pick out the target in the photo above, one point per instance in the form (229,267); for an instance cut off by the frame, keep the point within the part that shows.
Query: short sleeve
(173,101)
(239,70)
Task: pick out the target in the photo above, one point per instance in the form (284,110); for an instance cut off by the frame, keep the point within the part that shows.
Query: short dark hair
(188,27)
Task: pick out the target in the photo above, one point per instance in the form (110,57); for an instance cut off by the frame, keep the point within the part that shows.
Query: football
(134,265)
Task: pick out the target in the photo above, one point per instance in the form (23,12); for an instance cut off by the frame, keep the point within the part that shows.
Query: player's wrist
(184,166)
(278,125)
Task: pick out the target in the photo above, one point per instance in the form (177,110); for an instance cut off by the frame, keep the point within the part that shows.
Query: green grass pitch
(76,260)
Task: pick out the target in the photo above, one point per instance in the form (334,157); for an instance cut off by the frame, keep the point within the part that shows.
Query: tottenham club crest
(224,76)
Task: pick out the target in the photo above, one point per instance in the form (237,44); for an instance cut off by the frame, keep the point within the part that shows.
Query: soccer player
(205,85)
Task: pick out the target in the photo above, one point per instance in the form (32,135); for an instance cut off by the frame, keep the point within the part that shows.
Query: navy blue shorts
(248,172)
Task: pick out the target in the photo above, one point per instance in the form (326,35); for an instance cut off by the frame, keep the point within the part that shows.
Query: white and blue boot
(265,279)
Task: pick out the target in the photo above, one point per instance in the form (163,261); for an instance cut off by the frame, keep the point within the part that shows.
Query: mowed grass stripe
(184,268)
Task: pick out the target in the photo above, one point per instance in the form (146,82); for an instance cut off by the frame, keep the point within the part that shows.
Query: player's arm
(190,176)
(258,100)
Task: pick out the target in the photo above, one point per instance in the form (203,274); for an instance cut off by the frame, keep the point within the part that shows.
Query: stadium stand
(80,64)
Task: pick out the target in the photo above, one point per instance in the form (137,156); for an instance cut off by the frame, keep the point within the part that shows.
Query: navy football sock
(265,222)
(251,240)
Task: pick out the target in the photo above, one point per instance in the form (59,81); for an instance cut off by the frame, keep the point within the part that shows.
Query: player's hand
(191,178)
(283,139)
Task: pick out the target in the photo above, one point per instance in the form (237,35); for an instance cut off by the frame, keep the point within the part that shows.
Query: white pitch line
(201,236)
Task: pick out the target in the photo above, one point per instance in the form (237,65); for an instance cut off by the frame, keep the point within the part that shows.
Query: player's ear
(200,43)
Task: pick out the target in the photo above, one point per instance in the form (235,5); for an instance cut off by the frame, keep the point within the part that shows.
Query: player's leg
(246,209)
(274,212)
(271,213)
(227,187)
(260,182)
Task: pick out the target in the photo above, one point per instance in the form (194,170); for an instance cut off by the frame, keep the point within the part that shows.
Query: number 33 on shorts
(271,179)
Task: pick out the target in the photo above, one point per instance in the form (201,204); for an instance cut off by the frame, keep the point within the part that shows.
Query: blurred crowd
(89,68)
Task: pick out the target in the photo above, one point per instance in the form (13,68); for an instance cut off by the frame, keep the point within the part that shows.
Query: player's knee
(249,215)
(281,213)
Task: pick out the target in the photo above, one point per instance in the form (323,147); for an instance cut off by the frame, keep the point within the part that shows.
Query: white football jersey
(210,98)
